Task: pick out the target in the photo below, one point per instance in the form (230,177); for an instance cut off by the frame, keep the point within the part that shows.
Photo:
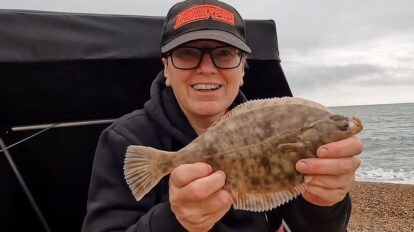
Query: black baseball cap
(203,19)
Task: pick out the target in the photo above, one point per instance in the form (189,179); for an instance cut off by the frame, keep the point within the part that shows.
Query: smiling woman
(77,75)
(204,91)
(204,67)
(82,66)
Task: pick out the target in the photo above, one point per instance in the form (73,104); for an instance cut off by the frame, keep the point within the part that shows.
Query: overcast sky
(349,52)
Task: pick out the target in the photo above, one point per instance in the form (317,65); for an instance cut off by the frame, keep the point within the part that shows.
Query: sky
(353,52)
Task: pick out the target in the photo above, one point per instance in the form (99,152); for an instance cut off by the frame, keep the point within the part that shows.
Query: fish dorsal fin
(259,202)
(260,103)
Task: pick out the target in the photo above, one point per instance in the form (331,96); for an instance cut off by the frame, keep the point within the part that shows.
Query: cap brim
(218,35)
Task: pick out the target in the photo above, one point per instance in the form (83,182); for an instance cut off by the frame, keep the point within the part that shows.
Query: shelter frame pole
(5,149)
(24,186)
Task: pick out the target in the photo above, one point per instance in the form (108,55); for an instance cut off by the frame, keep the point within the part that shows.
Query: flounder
(257,145)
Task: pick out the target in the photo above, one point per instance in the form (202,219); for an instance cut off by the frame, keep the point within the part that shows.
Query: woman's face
(206,91)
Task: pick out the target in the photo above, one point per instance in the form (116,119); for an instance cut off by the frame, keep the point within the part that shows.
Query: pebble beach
(382,207)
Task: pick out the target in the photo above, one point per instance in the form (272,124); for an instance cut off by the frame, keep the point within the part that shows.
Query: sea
(388,139)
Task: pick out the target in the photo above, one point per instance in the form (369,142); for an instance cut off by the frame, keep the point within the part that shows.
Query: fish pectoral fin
(292,147)
(297,149)
(259,202)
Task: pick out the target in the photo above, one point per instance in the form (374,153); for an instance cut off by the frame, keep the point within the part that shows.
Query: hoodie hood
(165,110)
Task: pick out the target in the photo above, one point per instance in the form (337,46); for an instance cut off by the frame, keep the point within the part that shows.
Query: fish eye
(340,121)
(343,126)
(337,117)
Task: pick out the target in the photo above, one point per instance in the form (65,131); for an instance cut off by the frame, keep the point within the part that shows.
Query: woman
(204,56)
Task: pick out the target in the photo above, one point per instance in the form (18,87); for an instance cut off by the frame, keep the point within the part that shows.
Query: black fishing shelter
(66,67)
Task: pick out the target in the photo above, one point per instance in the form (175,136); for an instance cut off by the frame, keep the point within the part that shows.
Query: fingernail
(209,167)
(301,166)
(221,172)
(308,179)
(322,152)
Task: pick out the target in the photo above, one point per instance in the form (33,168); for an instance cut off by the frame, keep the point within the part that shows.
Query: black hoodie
(162,125)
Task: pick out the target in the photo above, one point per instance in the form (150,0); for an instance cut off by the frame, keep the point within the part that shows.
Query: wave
(375,174)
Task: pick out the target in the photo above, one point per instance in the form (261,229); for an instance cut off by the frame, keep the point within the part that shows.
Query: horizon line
(374,104)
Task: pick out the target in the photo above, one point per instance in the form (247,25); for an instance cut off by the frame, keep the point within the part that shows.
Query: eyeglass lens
(190,57)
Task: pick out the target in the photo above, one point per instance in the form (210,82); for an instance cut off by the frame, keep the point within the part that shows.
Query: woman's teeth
(205,87)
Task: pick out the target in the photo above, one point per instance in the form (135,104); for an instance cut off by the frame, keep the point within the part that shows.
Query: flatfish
(257,145)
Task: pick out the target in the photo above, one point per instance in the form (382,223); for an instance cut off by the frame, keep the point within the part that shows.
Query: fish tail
(144,167)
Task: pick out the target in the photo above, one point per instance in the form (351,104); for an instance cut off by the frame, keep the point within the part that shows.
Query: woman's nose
(207,64)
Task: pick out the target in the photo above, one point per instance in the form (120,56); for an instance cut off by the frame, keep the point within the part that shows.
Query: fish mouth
(355,124)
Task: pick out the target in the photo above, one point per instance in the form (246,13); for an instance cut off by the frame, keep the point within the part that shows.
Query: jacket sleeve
(111,205)
(302,216)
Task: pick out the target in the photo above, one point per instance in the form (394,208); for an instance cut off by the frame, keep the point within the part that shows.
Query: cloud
(388,79)
(335,52)
(310,77)
(307,25)
(381,68)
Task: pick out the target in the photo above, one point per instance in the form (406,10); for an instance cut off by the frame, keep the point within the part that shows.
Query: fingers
(323,197)
(186,173)
(208,210)
(344,148)
(328,190)
(218,201)
(203,187)
(207,221)
(197,197)
(332,174)
(218,211)
(197,188)
(339,166)
(344,182)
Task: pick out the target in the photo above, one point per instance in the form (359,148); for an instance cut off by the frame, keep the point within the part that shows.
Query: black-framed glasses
(187,57)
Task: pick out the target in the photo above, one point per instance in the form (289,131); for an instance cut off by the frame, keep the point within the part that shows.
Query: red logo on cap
(203,12)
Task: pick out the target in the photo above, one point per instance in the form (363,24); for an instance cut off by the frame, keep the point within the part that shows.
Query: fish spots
(246,172)
(210,161)
(243,196)
(234,161)
(254,181)
(267,181)
(220,158)
(211,149)
(291,177)
(277,169)
(166,165)
(273,163)
(253,167)
(267,129)
(264,161)
(242,161)
(268,198)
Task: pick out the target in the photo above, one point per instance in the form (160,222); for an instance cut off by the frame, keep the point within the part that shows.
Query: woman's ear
(165,63)
(243,67)
(167,80)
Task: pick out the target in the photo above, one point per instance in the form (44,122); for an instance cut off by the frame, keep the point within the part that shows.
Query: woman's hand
(197,197)
(332,174)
